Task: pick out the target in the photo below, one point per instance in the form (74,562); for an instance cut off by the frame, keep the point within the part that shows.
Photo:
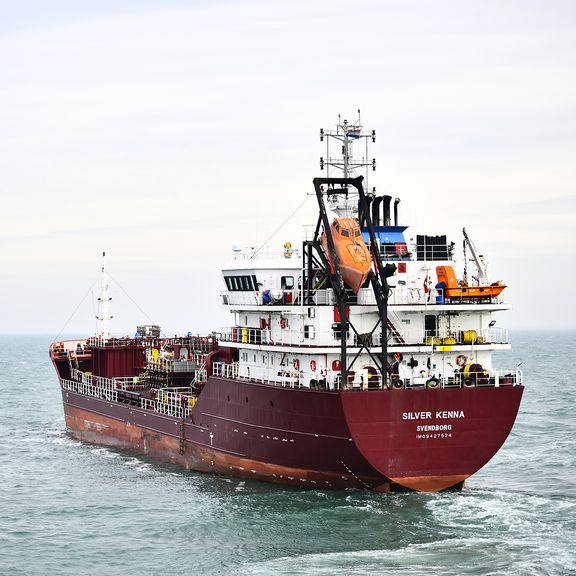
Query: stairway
(393,331)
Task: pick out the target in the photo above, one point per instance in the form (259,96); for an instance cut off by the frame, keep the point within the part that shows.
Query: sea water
(68,508)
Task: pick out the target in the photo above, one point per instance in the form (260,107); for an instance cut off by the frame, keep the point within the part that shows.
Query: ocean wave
(451,556)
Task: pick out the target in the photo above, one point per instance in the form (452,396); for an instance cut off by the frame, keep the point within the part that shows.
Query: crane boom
(478,258)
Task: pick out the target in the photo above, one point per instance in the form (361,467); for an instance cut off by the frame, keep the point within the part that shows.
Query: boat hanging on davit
(358,360)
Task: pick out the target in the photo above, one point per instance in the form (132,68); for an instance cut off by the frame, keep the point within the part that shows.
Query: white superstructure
(287,328)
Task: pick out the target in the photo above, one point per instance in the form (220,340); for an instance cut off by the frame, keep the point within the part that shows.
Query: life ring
(461,360)
(432,383)
(313,365)
(283,323)
(296,364)
(336,365)
(398,357)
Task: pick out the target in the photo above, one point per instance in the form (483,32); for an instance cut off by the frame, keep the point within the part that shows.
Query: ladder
(394,332)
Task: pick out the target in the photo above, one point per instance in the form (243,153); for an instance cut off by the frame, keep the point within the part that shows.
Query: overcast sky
(164,132)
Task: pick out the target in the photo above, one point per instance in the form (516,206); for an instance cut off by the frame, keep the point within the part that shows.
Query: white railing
(485,378)
(271,376)
(225,370)
(118,383)
(399,296)
(192,343)
(177,402)
(200,376)
(260,298)
(332,338)
(199,358)
(171,402)
(88,389)
(363,381)
(456,337)
(286,337)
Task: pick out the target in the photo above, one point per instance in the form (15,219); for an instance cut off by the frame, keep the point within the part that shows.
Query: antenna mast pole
(345,134)
(103,326)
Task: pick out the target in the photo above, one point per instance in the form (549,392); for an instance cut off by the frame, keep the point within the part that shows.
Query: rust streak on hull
(99,429)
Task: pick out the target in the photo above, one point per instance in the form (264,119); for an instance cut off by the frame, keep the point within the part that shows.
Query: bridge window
(241,283)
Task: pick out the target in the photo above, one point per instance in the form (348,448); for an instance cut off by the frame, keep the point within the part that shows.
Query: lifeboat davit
(353,254)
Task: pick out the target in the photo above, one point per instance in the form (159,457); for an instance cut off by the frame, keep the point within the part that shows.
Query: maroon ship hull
(425,440)
(430,440)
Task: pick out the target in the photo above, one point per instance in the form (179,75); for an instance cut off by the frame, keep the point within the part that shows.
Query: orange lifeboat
(353,254)
(456,290)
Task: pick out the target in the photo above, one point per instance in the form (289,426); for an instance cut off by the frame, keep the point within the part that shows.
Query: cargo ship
(360,359)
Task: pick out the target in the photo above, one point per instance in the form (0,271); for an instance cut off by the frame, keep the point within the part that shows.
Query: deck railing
(401,337)
(282,377)
(399,296)
(171,402)
(196,345)
(118,383)
(176,402)
(332,381)
(193,343)
(89,389)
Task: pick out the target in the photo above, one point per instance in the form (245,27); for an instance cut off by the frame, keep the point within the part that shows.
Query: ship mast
(346,197)
(103,326)
(346,166)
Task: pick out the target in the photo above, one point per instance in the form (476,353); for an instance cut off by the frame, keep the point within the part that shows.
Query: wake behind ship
(359,360)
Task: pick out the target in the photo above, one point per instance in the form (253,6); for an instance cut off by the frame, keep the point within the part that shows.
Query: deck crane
(478,260)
